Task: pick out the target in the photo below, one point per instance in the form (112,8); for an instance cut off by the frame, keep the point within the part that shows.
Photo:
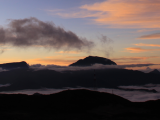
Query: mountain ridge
(91,60)
(14,65)
(20,79)
(155,71)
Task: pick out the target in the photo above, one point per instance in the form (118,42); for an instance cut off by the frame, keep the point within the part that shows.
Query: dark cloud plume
(33,32)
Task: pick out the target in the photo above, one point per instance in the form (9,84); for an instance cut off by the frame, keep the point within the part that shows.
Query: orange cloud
(75,57)
(152,45)
(132,62)
(147,30)
(50,61)
(152,36)
(69,52)
(139,50)
(119,13)
(65,57)
(134,58)
(128,13)
(56,60)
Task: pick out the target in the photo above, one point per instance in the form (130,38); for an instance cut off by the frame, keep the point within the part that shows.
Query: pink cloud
(134,58)
(151,45)
(139,50)
(128,13)
(152,36)
(119,13)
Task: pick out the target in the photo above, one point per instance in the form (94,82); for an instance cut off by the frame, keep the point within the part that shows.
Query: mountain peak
(155,71)
(90,60)
(14,65)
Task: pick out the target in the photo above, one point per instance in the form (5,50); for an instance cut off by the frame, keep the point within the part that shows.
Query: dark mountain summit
(155,71)
(90,60)
(14,65)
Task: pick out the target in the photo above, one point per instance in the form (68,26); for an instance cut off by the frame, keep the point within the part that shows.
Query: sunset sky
(125,31)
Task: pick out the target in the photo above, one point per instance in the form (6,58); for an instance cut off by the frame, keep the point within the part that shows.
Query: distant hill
(155,71)
(90,60)
(14,65)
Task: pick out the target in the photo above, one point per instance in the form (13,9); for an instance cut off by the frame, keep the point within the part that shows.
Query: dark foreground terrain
(75,105)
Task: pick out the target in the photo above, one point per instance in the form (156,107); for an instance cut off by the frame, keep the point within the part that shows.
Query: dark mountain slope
(155,71)
(107,78)
(90,60)
(76,105)
(14,65)
(67,101)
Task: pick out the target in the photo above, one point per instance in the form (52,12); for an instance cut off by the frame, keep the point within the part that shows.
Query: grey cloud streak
(33,32)
(105,45)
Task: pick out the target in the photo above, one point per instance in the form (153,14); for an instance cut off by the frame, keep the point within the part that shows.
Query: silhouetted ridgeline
(75,104)
(14,65)
(90,60)
(155,71)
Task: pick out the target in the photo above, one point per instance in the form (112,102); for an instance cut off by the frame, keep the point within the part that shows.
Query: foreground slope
(76,104)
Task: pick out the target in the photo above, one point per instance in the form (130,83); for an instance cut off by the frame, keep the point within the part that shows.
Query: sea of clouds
(95,66)
(134,96)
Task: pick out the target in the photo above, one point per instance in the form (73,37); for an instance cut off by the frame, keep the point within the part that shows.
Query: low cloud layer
(31,32)
(140,96)
(95,66)
(4,85)
(134,96)
(1,69)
